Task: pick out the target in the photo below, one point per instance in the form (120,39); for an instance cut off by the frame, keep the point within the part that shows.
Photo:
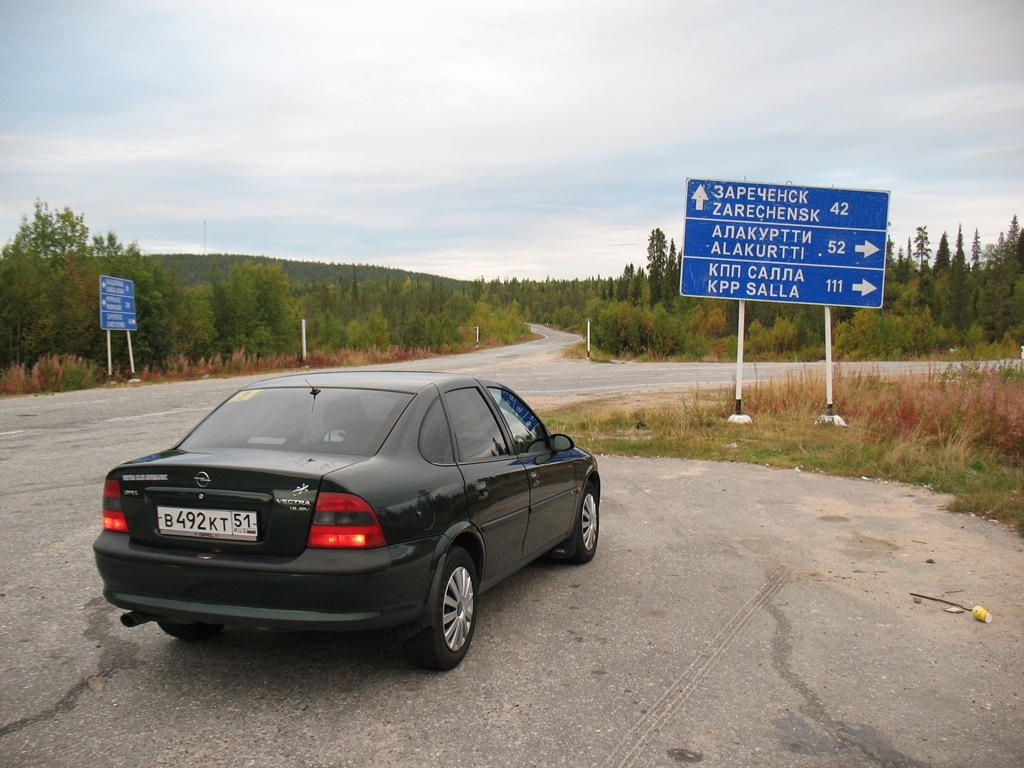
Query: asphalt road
(539,370)
(734,615)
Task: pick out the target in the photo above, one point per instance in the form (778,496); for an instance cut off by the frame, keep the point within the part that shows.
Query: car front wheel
(587,526)
(444,643)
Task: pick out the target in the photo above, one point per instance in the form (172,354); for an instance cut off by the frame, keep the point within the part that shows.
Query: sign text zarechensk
(774,242)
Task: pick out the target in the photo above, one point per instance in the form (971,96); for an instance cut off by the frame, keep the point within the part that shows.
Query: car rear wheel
(444,643)
(196,631)
(587,526)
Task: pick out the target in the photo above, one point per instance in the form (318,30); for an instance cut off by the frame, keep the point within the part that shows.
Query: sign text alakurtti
(774,242)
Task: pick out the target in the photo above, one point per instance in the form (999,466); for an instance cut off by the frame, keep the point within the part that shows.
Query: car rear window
(347,421)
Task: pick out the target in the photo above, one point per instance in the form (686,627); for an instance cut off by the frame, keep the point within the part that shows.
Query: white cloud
(522,138)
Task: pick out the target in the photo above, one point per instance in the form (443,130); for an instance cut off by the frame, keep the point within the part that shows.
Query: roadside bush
(56,373)
(14,380)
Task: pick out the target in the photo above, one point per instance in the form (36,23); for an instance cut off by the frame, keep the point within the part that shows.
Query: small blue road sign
(117,304)
(774,242)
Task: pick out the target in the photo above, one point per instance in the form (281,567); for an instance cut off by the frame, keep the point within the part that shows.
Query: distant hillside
(197,268)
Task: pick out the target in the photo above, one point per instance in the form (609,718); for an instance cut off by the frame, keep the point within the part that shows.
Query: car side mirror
(562,443)
(555,445)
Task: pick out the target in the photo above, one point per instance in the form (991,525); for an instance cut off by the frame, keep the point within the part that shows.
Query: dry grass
(51,373)
(960,433)
(63,373)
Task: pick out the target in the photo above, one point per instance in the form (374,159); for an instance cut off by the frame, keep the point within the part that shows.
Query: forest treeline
(962,296)
(962,300)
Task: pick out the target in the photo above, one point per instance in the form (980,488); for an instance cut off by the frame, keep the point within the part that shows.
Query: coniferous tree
(942,256)
(959,289)
(1013,234)
(657,261)
(922,248)
(672,275)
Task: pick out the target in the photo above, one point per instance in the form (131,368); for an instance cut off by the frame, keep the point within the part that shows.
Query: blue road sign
(773,242)
(117,304)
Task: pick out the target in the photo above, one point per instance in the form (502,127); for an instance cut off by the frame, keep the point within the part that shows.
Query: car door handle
(480,486)
(535,478)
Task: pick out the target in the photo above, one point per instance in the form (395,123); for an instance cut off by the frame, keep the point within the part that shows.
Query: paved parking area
(734,615)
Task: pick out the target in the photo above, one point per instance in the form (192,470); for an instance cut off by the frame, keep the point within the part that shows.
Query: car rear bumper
(317,590)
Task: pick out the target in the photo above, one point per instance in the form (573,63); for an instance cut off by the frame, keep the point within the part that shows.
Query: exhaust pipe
(135,618)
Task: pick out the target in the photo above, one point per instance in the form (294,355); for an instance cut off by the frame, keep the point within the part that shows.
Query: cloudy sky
(483,139)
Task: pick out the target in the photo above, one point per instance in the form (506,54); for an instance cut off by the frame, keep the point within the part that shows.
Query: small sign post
(117,313)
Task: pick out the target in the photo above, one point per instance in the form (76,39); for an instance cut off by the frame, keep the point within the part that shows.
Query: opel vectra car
(345,501)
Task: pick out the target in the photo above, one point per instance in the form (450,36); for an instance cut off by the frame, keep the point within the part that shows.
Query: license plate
(207,523)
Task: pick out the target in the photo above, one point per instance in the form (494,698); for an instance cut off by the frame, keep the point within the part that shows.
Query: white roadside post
(131,355)
(739,417)
(830,416)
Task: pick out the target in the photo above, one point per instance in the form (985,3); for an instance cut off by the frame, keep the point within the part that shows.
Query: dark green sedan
(346,501)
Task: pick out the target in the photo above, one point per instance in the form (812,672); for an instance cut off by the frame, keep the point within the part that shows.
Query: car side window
(435,437)
(528,432)
(477,434)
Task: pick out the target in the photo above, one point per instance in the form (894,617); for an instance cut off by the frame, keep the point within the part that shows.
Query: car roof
(398,381)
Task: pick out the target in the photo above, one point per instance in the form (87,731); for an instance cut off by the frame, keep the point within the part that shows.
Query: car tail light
(344,521)
(113,516)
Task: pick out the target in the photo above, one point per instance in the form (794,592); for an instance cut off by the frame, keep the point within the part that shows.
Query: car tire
(196,631)
(587,529)
(444,643)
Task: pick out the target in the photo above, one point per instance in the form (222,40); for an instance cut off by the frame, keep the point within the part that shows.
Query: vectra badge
(202,479)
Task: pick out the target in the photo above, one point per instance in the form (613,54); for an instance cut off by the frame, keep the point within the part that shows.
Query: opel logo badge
(202,479)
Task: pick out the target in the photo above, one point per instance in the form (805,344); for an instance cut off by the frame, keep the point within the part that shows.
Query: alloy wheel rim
(589,523)
(457,613)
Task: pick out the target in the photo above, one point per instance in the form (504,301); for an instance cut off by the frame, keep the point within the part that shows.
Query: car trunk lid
(258,502)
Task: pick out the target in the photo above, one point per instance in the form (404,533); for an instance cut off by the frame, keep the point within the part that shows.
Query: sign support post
(131,356)
(829,416)
(739,417)
(828,360)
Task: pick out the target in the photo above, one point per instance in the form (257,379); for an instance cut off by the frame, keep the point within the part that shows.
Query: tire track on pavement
(693,676)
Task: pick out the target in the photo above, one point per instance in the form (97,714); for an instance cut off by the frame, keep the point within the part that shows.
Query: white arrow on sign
(866,250)
(700,197)
(864,287)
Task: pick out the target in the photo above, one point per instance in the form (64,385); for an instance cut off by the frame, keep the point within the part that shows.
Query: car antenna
(314,392)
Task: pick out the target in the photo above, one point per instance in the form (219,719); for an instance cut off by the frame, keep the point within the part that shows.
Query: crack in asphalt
(116,655)
(863,742)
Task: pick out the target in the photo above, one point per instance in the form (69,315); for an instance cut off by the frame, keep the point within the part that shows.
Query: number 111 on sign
(834,286)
